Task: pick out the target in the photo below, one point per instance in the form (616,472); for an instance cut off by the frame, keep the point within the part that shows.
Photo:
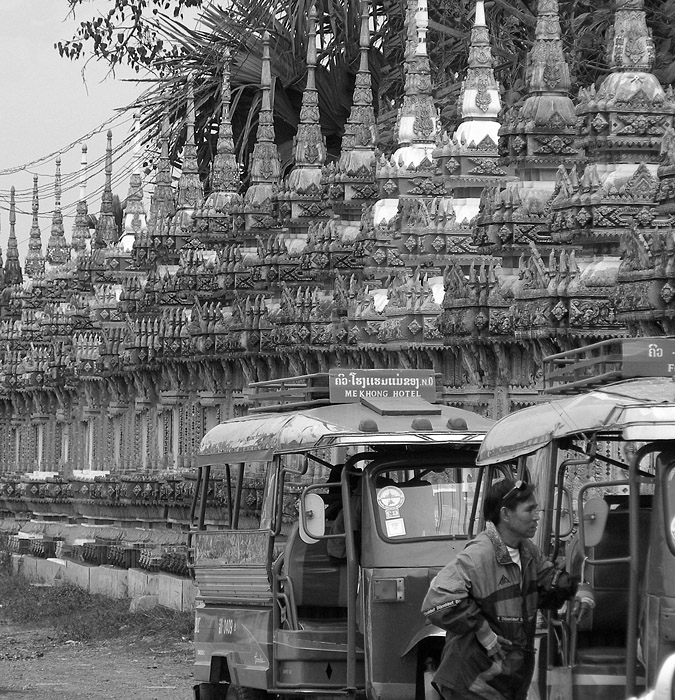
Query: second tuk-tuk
(603,463)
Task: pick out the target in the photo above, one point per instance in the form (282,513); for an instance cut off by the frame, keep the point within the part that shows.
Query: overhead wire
(125,160)
(61,151)
(93,167)
(72,179)
(119,177)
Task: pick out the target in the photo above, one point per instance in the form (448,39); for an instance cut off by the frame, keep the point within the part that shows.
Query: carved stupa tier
(538,134)
(626,117)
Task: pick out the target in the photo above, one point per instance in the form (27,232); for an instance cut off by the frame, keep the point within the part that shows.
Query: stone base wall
(173,592)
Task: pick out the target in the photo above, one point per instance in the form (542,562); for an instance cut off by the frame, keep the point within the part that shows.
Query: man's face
(521,522)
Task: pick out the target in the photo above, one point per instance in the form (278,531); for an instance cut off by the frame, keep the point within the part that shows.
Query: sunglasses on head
(520,485)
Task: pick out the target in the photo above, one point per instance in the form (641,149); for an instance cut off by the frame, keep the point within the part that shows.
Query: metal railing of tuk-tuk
(197,513)
(633,483)
(583,368)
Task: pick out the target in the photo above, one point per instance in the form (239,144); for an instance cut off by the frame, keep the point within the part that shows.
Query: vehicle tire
(240,692)
(211,691)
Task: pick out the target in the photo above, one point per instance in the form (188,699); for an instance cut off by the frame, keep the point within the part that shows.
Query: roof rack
(608,361)
(290,393)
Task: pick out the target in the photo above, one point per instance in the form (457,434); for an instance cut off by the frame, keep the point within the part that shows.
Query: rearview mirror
(594,520)
(312,523)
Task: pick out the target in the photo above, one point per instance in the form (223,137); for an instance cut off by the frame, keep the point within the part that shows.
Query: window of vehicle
(422,503)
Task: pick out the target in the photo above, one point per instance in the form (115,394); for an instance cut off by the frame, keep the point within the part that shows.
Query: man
(487,600)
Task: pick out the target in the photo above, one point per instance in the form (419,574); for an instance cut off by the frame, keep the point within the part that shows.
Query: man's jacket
(482,592)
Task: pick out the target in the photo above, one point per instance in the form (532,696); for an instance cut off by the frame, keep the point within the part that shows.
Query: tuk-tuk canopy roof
(638,409)
(258,437)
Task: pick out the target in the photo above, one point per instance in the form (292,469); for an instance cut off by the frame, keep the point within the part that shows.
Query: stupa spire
(265,163)
(357,159)
(12,265)
(81,236)
(58,251)
(218,216)
(135,223)
(304,181)
(225,171)
(35,262)
(547,70)
(418,121)
(107,232)
(162,200)
(471,158)
(479,102)
(190,189)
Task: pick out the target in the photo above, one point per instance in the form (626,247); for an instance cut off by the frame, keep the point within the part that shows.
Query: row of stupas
(474,253)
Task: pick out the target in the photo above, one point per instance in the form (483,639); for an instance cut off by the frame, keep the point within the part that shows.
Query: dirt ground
(36,663)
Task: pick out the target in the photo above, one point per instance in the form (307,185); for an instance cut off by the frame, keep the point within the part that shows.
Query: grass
(81,616)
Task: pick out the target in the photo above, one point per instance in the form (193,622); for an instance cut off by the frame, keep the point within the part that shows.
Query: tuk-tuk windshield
(422,503)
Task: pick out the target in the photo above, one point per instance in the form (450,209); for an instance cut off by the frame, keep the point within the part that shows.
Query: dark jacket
(481,593)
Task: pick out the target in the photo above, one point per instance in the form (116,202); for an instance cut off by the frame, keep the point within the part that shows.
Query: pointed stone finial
(35,262)
(479,19)
(83,173)
(422,24)
(311,41)
(57,184)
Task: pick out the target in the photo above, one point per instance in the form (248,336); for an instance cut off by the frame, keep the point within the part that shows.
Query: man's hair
(504,493)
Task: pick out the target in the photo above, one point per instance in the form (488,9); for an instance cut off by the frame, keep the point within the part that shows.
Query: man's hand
(583,603)
(498,648)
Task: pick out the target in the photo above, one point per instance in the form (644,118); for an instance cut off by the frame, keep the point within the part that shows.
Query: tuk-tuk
(339,518)
(603,465)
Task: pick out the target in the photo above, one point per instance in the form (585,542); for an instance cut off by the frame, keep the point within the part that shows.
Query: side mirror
(566,519)
(312,523)
(595,518)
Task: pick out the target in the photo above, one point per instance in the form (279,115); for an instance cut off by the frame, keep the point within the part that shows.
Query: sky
(48,105)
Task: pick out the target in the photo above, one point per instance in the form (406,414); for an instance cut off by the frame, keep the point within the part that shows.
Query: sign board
(648,357)
(350,385)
